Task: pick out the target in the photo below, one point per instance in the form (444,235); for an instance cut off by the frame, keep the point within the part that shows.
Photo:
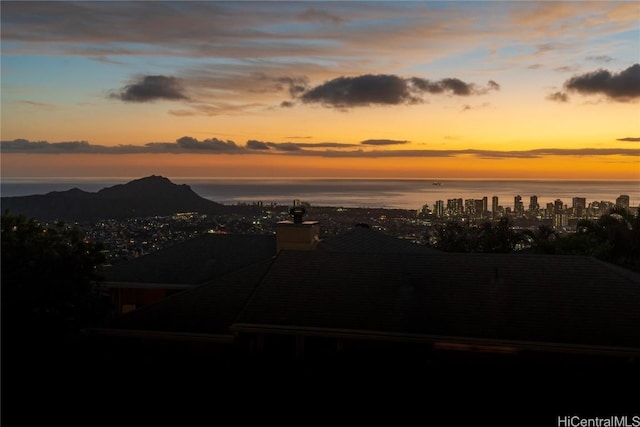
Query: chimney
(297,234)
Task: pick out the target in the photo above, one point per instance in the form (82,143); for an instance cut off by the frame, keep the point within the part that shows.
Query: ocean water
(384,193)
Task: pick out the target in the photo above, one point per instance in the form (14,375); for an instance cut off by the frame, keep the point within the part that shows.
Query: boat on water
(436,183)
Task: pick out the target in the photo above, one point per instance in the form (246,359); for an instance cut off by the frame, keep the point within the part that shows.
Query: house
(365,309)
(364,290)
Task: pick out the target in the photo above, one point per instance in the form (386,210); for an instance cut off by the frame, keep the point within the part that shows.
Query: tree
(50,275)
(614,237)
(486,237)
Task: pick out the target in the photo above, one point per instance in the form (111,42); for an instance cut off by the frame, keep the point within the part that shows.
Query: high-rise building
(560,219)
(579,205)
(438,208)
(623,201)
(558,206)
(470,207)
(518,206)
(533,203)
(494,204)
(455,206)
(549,211)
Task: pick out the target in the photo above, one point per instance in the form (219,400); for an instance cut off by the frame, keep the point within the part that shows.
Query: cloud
(295,85)
(368,89)
(294,146)
(286,104)
(213,109)
(387,89)
(567,68)
(622,86)
(629,139)
(313,14)
(383,142)
(214,146)
(325,145)
(26,146)
(257,145)
(599,58)
(151,88)
(284,146)
(491,85)
(40,105)
(558,97)
(452,85)
(187,144)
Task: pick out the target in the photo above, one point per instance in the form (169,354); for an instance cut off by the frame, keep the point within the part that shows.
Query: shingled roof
(195,261)
(548,299)
(364,240)
(206,309)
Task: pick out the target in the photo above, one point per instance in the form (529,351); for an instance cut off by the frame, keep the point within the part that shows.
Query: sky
(420,89)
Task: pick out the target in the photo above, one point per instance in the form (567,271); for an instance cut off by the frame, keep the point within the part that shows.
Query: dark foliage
(50,276)
(614,237)
(486,237)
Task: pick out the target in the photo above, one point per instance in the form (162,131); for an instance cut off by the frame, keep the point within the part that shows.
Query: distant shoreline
(348,192)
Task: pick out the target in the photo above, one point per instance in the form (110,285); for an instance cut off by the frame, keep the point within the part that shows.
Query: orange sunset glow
(503,90)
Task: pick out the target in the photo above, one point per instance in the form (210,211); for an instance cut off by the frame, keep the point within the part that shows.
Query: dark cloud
(567,68)
(485,154)
(558,97)
(583,152)
(629,139)
(151,88)
(325,145)
(26,146)
(215,146)
(383,142)
(277,146)
(535,66)
(622,86)
(257,145)
(387,89)
(491,85)
(368,89)
(599,58)
(67,147)
(39,105)
(424,85)
(286,104)
(294,146)
(313,14)
(284,146)
(295,85)
(452,85)
(457,86)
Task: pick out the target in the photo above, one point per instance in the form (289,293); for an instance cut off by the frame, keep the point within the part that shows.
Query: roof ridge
(618,270)
(255,288)
(193,288)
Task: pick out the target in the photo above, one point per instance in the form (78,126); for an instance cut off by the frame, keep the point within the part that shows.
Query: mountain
(149,196)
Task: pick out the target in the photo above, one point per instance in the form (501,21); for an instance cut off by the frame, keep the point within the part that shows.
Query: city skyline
(510,90)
